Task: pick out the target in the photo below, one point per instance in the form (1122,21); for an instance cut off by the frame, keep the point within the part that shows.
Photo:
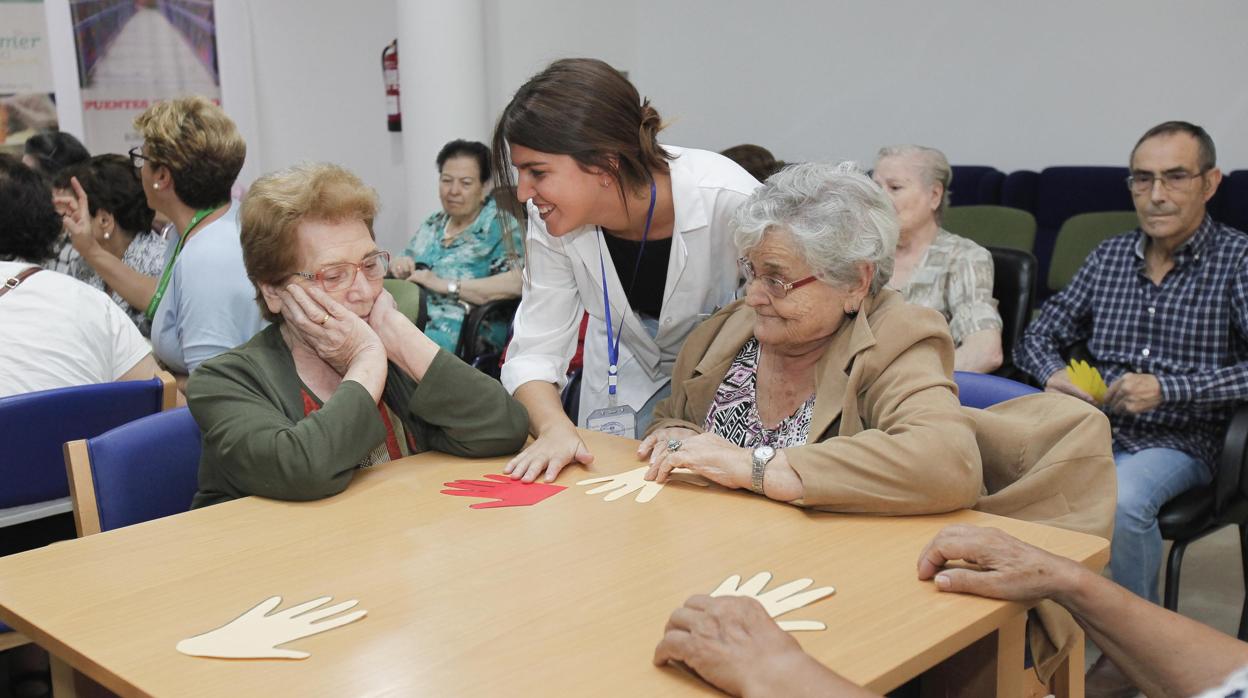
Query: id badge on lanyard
(617,419)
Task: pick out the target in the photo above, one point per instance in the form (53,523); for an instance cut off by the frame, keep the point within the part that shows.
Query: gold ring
(325,319)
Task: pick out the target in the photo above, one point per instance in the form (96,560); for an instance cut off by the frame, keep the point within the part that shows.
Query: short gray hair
(836,214)
(933,168)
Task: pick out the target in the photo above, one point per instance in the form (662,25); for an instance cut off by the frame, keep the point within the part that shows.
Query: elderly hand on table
(717,459)
(707,454)
(733,644)
(1004,567)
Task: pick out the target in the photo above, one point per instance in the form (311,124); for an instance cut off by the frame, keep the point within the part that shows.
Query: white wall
(302,78)
(1016,85)
(1011,84)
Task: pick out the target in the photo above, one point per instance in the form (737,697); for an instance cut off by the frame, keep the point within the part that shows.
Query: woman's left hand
(709,455)
(656,442)
(76,217)
(427,279)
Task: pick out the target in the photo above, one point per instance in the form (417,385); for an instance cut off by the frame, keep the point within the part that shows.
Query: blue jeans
(1146,481)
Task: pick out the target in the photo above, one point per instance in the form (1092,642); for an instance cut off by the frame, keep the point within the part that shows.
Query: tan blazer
(888,435)
(884,394)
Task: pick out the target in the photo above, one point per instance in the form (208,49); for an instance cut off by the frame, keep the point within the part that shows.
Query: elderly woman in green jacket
(341,380)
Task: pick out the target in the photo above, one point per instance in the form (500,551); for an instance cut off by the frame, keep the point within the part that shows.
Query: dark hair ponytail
(648,137)
(584,108)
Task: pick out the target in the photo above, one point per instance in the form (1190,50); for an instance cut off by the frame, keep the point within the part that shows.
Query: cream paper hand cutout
(780,600)
(257,633)
(625,483)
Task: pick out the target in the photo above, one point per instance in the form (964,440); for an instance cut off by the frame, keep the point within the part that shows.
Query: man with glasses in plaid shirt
(1164,313)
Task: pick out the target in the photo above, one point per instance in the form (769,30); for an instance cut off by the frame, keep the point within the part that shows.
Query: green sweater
(257,441)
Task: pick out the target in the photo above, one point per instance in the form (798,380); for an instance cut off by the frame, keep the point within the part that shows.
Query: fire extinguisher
(390,69)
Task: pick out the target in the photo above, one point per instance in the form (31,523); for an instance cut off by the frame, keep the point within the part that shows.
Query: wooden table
(568,597)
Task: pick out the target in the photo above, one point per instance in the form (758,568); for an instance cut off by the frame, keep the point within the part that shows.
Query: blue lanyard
(613,339)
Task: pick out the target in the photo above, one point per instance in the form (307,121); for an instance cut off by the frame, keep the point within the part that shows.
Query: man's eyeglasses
(336,277)
(1142,182)
(137,157)
(776,288)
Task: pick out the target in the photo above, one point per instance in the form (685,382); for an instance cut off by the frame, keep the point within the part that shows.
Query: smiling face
(566,195)
(808,314)
(916,203)
(460,187)
(1172,214)
(322,243)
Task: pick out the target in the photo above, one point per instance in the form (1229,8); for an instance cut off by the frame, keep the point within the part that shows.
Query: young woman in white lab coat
(619,227)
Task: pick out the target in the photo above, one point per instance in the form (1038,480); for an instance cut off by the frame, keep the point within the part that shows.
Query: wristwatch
(452,289)
(760,457)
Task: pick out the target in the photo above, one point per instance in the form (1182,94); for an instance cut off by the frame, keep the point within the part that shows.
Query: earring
(851,314)
(108,235)
(155,185)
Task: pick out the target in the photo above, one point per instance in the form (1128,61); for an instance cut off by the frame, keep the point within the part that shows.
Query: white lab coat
(565,279)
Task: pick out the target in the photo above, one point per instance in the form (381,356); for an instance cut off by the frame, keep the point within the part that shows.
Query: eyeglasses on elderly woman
(776,288)
(336,277)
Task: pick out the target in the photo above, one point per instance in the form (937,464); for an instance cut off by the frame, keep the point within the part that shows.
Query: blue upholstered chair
(1230,204)
(1057,193)
(137,472)
(975,185)
(984,390)
(35,426)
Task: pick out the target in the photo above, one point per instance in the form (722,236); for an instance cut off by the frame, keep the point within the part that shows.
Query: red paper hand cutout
(505,491)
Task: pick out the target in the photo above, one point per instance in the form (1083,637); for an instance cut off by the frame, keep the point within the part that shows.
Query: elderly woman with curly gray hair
(821,387)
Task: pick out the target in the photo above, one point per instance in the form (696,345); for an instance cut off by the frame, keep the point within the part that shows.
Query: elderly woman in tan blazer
(759,391)
(823,388)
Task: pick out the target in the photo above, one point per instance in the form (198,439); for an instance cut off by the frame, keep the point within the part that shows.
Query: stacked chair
(35,426)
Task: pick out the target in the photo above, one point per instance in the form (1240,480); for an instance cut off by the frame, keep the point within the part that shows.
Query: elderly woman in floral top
(934,267)
(469,253)
(117,251)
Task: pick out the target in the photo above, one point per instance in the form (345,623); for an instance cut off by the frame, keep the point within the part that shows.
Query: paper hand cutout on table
(1087,379)
(255,635)
(780,600)
(503,490)
(625,483)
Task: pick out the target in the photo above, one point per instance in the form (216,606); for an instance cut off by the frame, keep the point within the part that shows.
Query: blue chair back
(146,469)
(34,427)
(1230,204)
(985,390)
(1057,193)
(975,185)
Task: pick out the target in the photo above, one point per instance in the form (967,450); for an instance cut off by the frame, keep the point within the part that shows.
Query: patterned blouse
(479,251)
(146,255)
(955,278)
(66,259)
(734,411)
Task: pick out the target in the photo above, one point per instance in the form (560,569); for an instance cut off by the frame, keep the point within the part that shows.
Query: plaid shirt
(1191,332)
